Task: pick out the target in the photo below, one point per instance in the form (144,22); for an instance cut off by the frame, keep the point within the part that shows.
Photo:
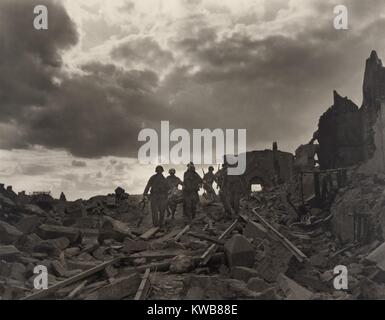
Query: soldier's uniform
(233,188)
(159,192)
(173,194)
(191,184)
(208,180)
(173,182)
(218,178)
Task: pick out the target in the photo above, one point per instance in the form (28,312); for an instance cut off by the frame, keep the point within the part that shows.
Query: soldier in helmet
(233,187)
(208,180)
(172,180)
(173,195)
(191,185)
(218,178)
(159,192)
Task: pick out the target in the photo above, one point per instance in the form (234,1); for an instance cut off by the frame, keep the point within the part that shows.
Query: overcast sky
(73,98)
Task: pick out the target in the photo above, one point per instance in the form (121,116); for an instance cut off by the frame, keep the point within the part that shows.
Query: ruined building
(349,135)
(340,135)
(268,168)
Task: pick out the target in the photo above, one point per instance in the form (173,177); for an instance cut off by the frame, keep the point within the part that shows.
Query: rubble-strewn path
(94,249)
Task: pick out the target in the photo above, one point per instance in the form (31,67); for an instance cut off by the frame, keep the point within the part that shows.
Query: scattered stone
(243,273)
(257,285)
(47,247)
(277,260)
(58,269)
(239,252)
(8,234)
(74,251)
(113,229)
(319,260)
(378,256)
(255,231)
(46,231)
(182,264)
(9,253)
(28,224)
(292,290)
(119,289)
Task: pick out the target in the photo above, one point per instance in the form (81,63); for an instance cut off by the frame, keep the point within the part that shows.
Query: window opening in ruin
(256,188)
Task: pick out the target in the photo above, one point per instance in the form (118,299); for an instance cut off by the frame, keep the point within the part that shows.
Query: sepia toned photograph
(196,151)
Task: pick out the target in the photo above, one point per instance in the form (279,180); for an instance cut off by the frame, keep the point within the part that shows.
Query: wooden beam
(149,233)
(145,287)
(155,254)
(168,236)
(207,238)
(180,234)
(300,256)
(44,293)
(206,256)
(77,290)
(347,247)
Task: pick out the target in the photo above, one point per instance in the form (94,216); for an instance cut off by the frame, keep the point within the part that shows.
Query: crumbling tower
(373,110)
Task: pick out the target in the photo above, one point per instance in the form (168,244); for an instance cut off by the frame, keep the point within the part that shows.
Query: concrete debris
(239,252)
(243,273)
(258,285)
(378,257)
(275,261)
(313,211)
(9,253)
(28,224)
(243,259)
(292,290)
(255,231)
(8,234)
(117,290)
(217,288)
(46,231)
(182,264)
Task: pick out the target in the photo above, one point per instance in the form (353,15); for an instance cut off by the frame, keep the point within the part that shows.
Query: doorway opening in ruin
(256,184)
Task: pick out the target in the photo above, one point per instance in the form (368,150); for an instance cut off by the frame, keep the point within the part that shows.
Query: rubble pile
(286,242)
(96,246)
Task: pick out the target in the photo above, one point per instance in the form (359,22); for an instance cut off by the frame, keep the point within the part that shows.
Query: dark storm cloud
(30,59)
(97,114)
(275,85)
(91,115)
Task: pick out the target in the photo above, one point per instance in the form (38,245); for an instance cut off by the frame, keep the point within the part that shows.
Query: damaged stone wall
(376,163)
(349,135)
(260,167)
(340,135)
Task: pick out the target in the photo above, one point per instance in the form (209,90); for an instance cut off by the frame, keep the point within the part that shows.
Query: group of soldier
(164,190)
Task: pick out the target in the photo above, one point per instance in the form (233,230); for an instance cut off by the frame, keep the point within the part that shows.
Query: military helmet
(190,165)
(159,169)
